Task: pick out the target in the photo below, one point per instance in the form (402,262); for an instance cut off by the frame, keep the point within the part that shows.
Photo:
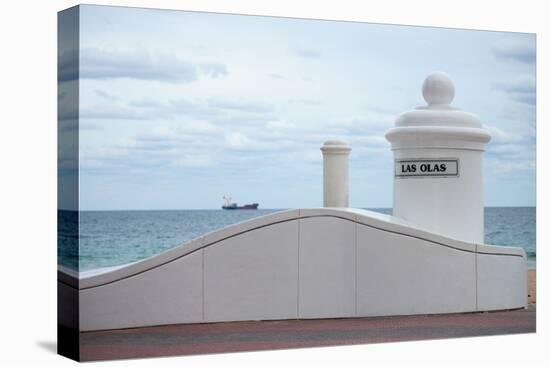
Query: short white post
(438,164)
(335,173)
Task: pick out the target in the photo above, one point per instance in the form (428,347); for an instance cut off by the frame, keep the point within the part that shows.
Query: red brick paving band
(188,339)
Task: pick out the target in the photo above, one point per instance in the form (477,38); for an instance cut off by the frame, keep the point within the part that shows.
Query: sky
(178,109)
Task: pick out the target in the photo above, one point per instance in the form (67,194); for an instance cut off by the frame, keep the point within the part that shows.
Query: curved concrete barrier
(303,263)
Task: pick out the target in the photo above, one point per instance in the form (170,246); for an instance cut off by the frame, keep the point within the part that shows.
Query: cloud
(135,64)
(510,150)
(67,101)
(106,95)
(224,111)
(95,63)
(506,167)
(244,119)
(146,103)
(198,128)
(68,126)
(499,136)
(197,144)
(240,105)
(185,145)
(519,50)
(67,111)
(529,99)
(307,53)
(522,84)
(150,146)
(88,126)
(237,140)
(115,112)
(370,122)
(194,109)
(235,133)
(521,89)
(277,76)
(67,65)
(194,161)
(213,70)
(304,101)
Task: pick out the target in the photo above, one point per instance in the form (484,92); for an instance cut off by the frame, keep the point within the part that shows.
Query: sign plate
(430,167)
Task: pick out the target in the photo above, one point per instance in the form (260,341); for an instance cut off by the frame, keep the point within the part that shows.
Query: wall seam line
(476,284)
(355,224)
(203,275)
(298,273)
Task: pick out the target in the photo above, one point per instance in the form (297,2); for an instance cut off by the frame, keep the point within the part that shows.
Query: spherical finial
(438,88)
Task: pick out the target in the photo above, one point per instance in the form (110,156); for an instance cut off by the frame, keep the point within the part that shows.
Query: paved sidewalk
(263,335)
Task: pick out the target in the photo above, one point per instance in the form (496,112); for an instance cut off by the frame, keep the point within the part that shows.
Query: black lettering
(428,166)
(408,168)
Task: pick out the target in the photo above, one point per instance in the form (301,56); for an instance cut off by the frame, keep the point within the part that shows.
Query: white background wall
(323,263)
(28,185)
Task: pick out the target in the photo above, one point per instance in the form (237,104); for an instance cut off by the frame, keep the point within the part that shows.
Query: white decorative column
(438,164)
(335,173)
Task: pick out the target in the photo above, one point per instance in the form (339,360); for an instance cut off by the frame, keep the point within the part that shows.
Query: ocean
(110,238)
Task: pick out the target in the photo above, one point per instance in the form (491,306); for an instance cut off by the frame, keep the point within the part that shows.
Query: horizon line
(251,210)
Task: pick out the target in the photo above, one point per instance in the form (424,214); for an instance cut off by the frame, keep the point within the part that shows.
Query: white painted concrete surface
(502,280)
(401,275)
(335,173)
(327,271)
(252,276)
(448,202)
(171,294)
(307,263)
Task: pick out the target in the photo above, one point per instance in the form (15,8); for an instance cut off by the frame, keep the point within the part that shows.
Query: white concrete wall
(501,279)
(311,263)
(451,206)
(253,276)
(327,267)
(401,275)
(171,294)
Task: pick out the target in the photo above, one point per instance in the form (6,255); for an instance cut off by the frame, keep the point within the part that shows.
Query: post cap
(335,147)
(438,123)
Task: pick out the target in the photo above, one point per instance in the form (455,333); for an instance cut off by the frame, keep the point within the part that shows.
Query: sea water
(111,238)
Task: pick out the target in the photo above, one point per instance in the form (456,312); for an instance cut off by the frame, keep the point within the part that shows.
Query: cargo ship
(233,206)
